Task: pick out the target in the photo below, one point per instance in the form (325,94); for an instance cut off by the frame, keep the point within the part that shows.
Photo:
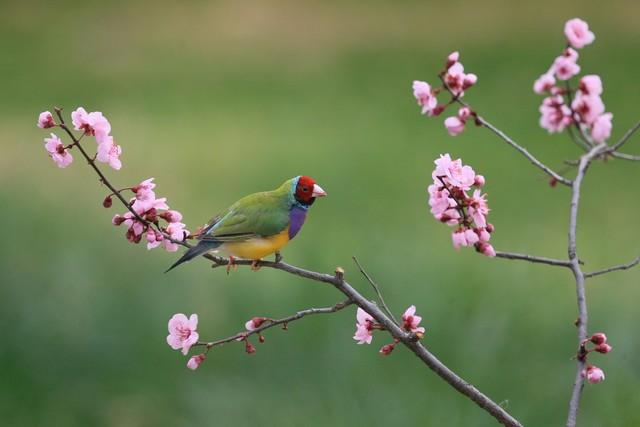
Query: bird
(259,224)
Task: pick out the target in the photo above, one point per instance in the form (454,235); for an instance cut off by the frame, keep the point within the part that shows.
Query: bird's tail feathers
(201,248)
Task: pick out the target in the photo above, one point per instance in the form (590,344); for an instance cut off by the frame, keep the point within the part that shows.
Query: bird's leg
(232,264)
(278,257)
(255,265)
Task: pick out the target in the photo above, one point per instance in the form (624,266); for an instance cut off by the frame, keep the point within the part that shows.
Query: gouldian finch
(259,224)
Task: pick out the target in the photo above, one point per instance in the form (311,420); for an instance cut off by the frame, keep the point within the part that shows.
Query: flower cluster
(591,373)
(151,210)
(455,81)
(365,325)
(566,106)
(183,335)
(451,204)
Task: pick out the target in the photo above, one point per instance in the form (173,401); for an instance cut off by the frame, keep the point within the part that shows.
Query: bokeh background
(220,99)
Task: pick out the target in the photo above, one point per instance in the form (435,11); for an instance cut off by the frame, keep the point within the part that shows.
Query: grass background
(220,99)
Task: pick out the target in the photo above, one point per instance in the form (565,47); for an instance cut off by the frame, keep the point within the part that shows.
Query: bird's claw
(278,257)
(231,264)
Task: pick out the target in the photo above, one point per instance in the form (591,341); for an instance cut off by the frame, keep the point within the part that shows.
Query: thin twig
(614,268)
(270,323)
(625,137)
(376,289)
(572,250)
(534,259)
(510,141)
(625,156)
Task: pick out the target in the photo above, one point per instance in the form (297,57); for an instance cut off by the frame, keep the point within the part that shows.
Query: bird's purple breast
(296,219)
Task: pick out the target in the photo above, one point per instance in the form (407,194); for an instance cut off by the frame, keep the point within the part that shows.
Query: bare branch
(625,137)
(376,289)
(534,259)
(583,317)
(625,156)
(614,268)
(270,323)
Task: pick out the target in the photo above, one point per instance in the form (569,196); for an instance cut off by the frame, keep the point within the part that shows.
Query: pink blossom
(593,374)
(182,332)
(154,239)
(591,85)
(478,208)
(459,239)
(601,129)
(57,151)
(177,231)
(196,361)
(454,125)
(479,181)
(94,123)
(410,321)
(588,107)
(424,95)
(254,323)
(565,67)
(544,83)
(169,246)
(364,327)
(133,224)
(45,120)
(578,34)
(109,152)
(555,115)
(483,234)
(454,172)
(598,338)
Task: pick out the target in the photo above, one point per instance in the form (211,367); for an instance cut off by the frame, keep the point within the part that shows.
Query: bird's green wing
(260,214)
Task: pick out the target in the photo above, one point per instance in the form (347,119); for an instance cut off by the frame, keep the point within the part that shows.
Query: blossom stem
(376,289)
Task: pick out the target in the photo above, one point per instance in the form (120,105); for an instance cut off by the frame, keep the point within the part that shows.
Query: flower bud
(117,220)
(249,348)
(107,202)
(479,181)
(599,338)
(386,350)
(603,348)
(195,361)
(452,59)
(261,338)
(254,323)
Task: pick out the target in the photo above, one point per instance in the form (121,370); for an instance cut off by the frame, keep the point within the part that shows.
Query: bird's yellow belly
(257,247)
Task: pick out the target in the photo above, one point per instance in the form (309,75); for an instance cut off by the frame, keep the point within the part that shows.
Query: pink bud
(254,323)
(593,374)
(107,202)
(490,228)
(249,348)
(603,348)
(478,181)
(598,338)
(452,59)
(195,361)
(386,350)
(45,120)
(117,220)
(469,80)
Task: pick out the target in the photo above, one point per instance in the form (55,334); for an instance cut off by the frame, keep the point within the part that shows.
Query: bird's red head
(307,190)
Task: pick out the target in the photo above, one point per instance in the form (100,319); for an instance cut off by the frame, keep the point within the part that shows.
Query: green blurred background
(220,99)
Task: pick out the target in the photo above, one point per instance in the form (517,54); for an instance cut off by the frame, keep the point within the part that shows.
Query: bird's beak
(318,191)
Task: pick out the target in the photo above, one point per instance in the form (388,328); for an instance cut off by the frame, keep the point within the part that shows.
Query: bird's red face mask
(307,190)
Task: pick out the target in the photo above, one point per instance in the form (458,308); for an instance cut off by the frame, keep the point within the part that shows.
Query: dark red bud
(553,182)
(258,321)
(598,338)
(249,348)
(438,109)
(489,228)
(387,349)
(107,202)
(261,338)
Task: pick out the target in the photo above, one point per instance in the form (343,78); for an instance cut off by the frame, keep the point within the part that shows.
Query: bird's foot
(255,265)
(232,264)
(278,257)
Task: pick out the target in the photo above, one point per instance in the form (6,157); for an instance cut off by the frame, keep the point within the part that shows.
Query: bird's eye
(305,189)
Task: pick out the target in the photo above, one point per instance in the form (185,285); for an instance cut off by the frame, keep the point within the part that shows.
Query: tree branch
(581,322)
(533,259)
(270,323)
(625,156)
(614,268)
(625,137)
